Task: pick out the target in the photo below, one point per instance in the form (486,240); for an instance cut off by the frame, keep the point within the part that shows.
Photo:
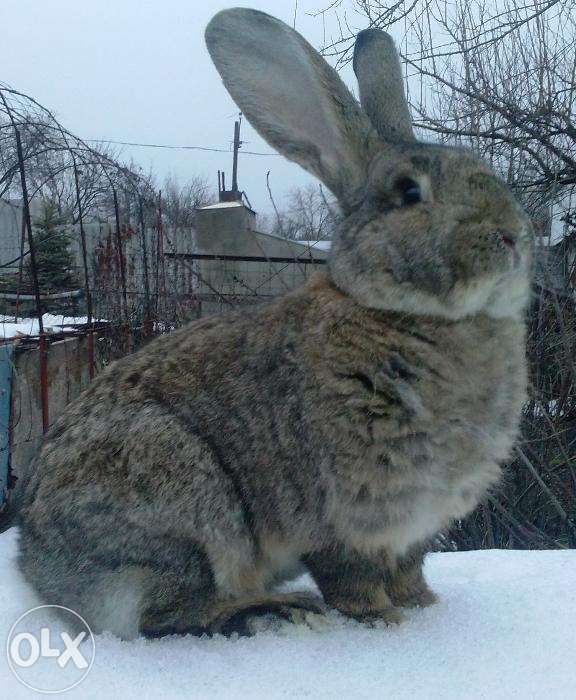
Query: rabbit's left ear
(292,97)
(379,75)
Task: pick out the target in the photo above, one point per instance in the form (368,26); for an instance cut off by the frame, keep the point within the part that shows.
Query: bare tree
(180,201)
(308,216)
(500,78)
(497,77)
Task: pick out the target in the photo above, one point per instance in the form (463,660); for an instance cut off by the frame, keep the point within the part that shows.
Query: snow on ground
(505,628)
(29,326)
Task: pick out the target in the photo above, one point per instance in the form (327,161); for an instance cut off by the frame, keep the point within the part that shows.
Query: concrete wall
(221,230)
(11,229)
(102,247)
(67,375)
(166,277)
(228,228)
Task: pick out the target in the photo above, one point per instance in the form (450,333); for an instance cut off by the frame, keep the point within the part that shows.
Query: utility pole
(233,194)
(237,144)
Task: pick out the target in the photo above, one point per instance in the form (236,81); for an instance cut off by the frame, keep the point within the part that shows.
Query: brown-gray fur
(342,425)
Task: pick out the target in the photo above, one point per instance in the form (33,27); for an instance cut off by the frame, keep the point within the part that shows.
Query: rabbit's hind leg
(141,600)
(177,606)
(190,601)
(142,584)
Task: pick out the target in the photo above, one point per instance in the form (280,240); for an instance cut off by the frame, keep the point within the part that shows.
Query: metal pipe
(42,348)
(83,240)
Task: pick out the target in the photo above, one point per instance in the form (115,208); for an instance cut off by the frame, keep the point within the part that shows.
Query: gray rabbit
(340,426)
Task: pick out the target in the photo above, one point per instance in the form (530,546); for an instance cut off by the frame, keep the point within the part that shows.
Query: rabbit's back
(228,386)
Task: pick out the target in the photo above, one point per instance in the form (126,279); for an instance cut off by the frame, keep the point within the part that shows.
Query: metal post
(31,243)
(83,240)
(147,313)
(120,254)
(161,270)
(20,269)
(237,144)
(42,349)
(26,210)
(91,354)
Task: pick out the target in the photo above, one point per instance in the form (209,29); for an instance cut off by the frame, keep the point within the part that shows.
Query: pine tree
(54,261)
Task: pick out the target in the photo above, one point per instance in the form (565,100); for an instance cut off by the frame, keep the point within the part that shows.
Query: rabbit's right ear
(292,97)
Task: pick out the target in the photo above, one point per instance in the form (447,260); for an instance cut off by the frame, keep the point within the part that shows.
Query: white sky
(138,70)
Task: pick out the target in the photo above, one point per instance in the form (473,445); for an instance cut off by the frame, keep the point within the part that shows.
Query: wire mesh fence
(131,272)
(137,275)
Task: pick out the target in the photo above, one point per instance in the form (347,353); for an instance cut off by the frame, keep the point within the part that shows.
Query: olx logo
(50,649)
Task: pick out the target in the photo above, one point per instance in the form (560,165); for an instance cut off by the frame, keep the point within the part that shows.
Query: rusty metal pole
(20,269)
(91,354)
(42,349)
(26,209)
(147,311)
(161,286)
(83,241)
(120,254)
(28,219)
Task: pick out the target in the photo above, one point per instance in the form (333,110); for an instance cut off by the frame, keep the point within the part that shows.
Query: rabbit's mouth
(516,247)
(510,244)
(507,238)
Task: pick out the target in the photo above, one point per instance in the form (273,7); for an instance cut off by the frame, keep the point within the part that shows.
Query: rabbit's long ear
(379,75)
(292,97)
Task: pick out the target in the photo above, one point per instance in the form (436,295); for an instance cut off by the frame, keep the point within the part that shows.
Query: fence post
(83,241)
(160,270)
(120,254)
(147,310)
(25,209)
(91,354)
(6,366)
(42,348)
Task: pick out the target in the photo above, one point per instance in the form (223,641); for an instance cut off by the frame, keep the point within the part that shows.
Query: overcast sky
(138,70)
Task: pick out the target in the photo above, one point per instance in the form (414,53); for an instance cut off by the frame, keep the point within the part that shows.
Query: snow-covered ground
(505,628)
(29,326)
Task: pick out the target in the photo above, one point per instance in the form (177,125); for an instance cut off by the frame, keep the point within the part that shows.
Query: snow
(505,628)
(321,245)
(223,205)
(29,326)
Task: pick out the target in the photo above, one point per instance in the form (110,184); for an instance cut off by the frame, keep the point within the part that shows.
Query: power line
(181,148)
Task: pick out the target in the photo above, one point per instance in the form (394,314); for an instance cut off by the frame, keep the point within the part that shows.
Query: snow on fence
(41,374)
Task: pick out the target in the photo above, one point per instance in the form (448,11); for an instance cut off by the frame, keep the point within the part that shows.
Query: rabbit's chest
(429,441)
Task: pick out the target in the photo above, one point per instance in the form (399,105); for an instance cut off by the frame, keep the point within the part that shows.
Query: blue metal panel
(6,366)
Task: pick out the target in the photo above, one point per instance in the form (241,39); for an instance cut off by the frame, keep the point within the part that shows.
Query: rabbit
(341,426)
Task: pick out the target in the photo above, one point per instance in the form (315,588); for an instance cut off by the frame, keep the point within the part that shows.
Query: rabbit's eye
(409,191)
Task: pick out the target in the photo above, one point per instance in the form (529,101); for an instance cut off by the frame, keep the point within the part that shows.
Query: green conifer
(54,261)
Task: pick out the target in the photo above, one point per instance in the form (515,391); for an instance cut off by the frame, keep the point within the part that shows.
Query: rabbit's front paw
(406,585)
(420,597)
(372,608)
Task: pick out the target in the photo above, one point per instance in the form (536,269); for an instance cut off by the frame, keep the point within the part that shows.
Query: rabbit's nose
(507,237)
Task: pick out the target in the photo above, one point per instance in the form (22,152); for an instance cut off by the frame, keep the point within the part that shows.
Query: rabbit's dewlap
(342,425)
